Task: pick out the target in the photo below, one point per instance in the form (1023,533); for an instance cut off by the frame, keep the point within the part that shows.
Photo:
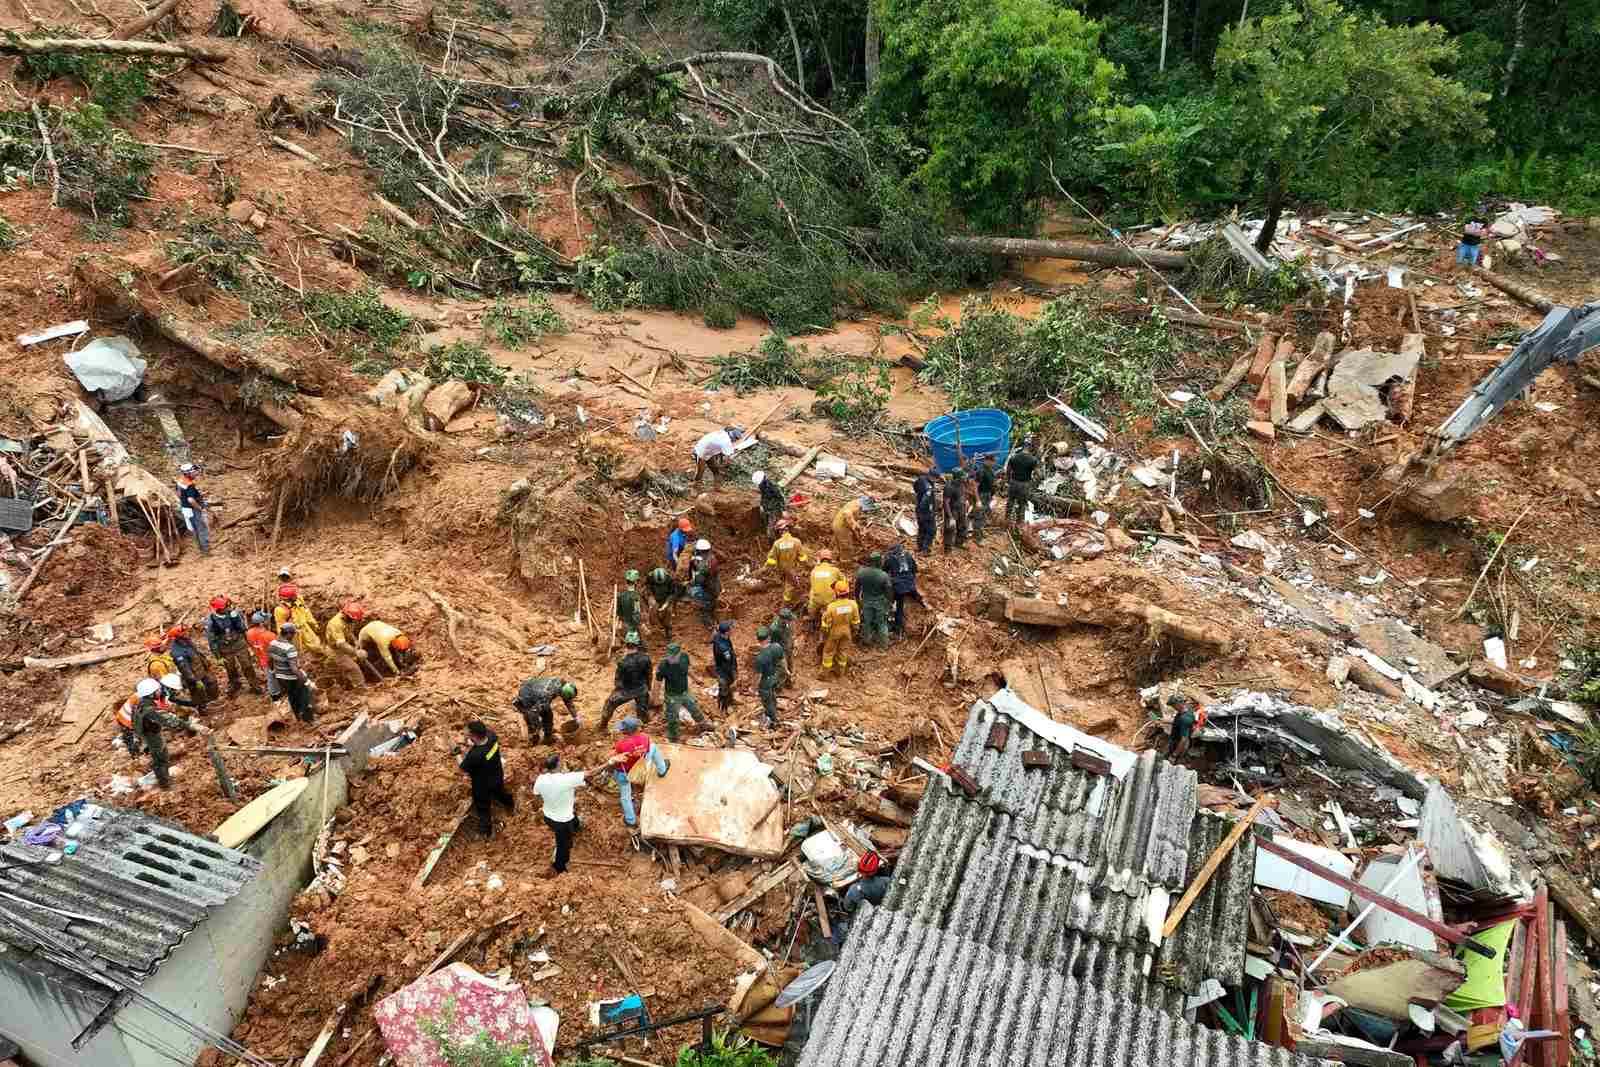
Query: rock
(1486,675)
(258,220)
(1117,540)
(1338,669)
(445,402)
(1503,228)
(241,210)
(1261,429)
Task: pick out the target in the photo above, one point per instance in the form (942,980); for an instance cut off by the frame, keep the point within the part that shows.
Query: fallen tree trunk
(1188,318)
(1164,623)
(1536,300)
(138,26)
(1042,248)
(22,46)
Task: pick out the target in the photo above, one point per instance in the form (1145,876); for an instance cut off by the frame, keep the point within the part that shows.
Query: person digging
(705,581)
(781,630)
(225,631)
(150,717)
(824,576)
(772,502)
(630,608)
(788,555)
(341,632)
(487,772)
(535,702)
(1185,721)
(673,670)
(840,621)
(632,682)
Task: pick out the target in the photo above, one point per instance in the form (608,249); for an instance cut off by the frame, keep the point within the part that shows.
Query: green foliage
(772,364)
(464,360)
(721,315)
(603,277)
(218,247)
(360,312)
(482,1051)
(1161,157)
(101,167)
(728,1049)
(514,325)
(1215,272)
(856,398)
(1582,682)
(117,84)
(993,90)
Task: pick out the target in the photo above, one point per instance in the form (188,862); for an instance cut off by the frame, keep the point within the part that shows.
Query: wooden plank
(83,659)
(320,1045)
(1544,1010)
(66,329)
(248,821)
(1235,375)
(1449,933)
(1265,350)
(822,912)
(439,849)
(1278,392)
(758,889)
(1562,1021)
(800,467)
(1214,861)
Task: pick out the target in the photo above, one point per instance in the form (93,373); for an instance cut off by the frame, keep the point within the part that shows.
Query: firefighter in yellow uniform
(159,663)
(391,644)
(788,554)
(341,635)
(840,620)
(292,608)
(823,578)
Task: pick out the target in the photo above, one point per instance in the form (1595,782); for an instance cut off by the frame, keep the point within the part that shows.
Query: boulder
(445,402)
(1486,675)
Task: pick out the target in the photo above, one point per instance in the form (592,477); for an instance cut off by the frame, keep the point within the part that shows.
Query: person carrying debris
(158,663)
(772,501)
(632,682)
(150,717)
(955,510)
(225,633)
(781,630)
(292,608)
(1471,246)
(984,482)
(664,590)
(681,537)
(193,667)
(192,505)
(344,642)
(926,492)
(559,792)
(824,576)
(788,554)
(283,664)
(713,451)
(392,645)
(629,606)
(258,637)
(1019,480)
(626,753)
(673,670)
(487,772)
(839,622)
(769,668)
(847,525)
(1184,723)
(874,590)
(901,567)
(705,581)
(725,663)
(535,700)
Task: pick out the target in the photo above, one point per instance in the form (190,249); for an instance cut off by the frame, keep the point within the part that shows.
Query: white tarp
(107,366)
(1275,873)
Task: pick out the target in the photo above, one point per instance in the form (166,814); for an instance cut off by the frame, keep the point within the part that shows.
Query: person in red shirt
(258,637)
(633,745)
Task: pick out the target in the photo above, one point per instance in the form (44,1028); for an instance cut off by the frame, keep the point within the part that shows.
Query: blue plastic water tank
(982,431)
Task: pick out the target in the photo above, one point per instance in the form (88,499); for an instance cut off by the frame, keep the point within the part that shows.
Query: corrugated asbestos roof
(1068,869)
(133,891)
(906,992)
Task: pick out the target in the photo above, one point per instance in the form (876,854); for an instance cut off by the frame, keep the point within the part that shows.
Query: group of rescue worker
(266,653)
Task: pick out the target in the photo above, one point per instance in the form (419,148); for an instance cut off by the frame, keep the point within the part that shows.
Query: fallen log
(1235,375)
(1164,623)
(799,468)
(138,26)
(1536,300)
(1210,322)
(1042,248)
(39,46)
(83,659)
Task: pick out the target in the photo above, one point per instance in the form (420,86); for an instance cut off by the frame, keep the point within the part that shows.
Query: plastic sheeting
(1485,986)
(107,366)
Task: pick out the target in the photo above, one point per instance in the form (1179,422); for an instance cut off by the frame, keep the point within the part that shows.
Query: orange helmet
(685,525)
(177,631)
(841,587)
(401,643)
(353,610)
(287,591)
(220,602)
(823,553)
(154,642)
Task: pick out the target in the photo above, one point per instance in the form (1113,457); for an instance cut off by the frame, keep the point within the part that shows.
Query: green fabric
(1485,986)
(873,584)
(674,674)
(628,607)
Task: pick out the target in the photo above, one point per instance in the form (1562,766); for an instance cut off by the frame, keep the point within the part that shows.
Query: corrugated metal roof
(1069,869)
(908,992)
(133,891)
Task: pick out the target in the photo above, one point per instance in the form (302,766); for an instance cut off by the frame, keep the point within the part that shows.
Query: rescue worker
(283,661)
(1019,480)
(847,526)
(926,492)
(712,451)
(725,663)
(681,537)
(173,690)
(559,793)
(292,608)
(984,481)
(629,749)
(342,632)
(535,701)
(770,670)
(159,661)
(629,606)
(664,590)
(772,501)
(391,644)
(673,670)
(258,637)
(150,717)
(788,554)
(901,566)
(705,581)
(781,630)
(824,576)
(487,772)
(125,719)
(1184,723)
(193,667)
(839,623)
(192,505)
(632,682)
(225,630)
(873,590)
(955,509)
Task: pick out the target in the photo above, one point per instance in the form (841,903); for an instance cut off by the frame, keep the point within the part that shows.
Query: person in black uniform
(483,766)
(1019,478)
(926,491)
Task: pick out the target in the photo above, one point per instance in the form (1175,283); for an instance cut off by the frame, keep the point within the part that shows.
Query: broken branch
(38,46)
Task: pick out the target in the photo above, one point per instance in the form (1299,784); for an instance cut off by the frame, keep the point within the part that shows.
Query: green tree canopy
(1318,87)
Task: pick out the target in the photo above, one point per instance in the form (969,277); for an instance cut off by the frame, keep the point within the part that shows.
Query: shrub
(362,312)
(514,325)
(464,360)
(101,167)
(118,85)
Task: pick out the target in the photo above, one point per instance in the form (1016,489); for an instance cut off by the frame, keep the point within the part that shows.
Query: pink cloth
(472,1002)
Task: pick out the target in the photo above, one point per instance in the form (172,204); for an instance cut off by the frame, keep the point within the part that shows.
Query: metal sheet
(1275,873)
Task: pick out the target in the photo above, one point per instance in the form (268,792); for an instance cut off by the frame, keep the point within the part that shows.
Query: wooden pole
(1192,894)
(612,644)
(37,46)
(49,153)
(223,780)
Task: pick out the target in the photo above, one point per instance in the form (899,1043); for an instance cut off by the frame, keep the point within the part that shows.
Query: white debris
(1470,719)
(1180,396)
(1376,579)
(1365,514)
(1494,650)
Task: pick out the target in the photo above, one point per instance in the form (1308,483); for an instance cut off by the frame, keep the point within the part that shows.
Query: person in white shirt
(713,451)
(559,793)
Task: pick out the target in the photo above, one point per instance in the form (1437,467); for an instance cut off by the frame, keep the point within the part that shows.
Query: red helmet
(353,610)
(154,642)
(869,863)
(287,591)
(220,603)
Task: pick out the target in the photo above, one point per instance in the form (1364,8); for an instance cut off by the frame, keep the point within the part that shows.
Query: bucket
(983,431)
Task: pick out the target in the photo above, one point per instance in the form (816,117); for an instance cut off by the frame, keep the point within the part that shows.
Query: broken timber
(1196,887)
(439,849)
(83,659)
(758,889)
(23,46)
(799,468)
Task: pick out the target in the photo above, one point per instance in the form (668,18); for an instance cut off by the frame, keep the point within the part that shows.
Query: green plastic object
(1485,986)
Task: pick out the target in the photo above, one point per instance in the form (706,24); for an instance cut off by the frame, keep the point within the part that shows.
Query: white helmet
(172,681)
(702,545)
(147,687)
(758,477)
